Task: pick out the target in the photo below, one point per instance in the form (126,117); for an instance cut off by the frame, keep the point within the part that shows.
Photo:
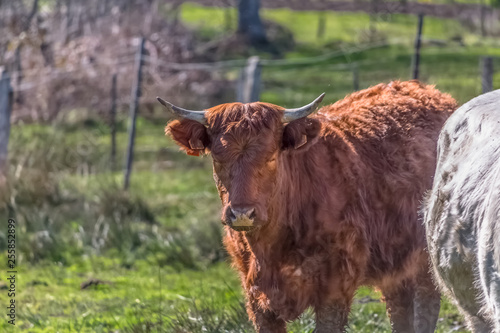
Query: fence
(5,111)
(487,74)
(249,78)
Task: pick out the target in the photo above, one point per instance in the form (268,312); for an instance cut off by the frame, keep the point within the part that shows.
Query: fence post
(355,77)
(487,74)
(134,106)
(372,23)
(239,85)
(5,110)
(482,15)
(19,73)
(320,33)
(112,122)
(418,42)
(228,19)
(249,81)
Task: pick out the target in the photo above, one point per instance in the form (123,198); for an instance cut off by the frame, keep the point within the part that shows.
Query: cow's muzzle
(240,218)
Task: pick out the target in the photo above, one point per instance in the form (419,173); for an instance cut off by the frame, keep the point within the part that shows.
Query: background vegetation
(94,258)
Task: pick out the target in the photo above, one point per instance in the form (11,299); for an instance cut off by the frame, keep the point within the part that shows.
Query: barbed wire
(240,63)
(35,71)
(208,66)
(117,64)
(58,73)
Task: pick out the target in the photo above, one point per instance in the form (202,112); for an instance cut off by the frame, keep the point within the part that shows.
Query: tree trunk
(34,11)
(249,22)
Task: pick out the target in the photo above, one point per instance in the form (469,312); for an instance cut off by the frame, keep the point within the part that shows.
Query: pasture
(151,259)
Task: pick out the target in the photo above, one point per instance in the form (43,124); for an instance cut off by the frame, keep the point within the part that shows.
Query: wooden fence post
(249,81)
(5,110)
(418,43)
(355,77)
(487,74)
(134,106)
(112,122)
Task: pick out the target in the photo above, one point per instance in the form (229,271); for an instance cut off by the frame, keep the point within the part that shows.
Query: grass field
(155,251)
(449,57)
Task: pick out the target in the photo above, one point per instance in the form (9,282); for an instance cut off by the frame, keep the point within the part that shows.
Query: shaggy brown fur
(336,197)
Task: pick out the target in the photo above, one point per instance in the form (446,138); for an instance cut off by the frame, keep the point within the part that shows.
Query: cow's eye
(271,161)
(273,158)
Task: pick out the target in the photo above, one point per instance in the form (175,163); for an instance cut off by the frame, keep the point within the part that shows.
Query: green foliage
(67,205)
(159,244)
(449,57)
(147,298)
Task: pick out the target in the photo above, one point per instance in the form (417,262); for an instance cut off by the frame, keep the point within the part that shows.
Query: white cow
(462,213)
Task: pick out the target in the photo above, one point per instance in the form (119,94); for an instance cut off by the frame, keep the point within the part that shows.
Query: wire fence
(345,76)
(227,69)
(288,82)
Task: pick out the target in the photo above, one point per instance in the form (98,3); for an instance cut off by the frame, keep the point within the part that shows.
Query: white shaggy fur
(462,214)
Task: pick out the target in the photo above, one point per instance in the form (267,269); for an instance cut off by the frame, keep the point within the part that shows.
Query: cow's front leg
(268,322)
(332,317)
(426,304)
(399,303)
(265,321)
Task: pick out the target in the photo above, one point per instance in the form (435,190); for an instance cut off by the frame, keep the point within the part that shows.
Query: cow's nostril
(242,218)
(251,214)
(232,215)
(242,212)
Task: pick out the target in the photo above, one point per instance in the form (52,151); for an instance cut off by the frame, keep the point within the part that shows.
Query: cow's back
(390,131)
(463,209)
(393,129)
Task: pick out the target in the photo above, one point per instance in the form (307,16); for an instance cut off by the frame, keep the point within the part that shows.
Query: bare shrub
(65,58)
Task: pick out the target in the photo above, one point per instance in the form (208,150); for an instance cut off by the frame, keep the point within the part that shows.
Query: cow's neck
(296,192)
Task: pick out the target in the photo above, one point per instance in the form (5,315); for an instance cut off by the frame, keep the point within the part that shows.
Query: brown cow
(328,202)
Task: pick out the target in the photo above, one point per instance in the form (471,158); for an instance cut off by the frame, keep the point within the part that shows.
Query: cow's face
(245,152)
(247,143)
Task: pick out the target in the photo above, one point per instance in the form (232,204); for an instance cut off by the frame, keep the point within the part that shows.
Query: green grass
(167,226)
(182,251)
(340,26)
(452,70)
(149,298)
(198,293)
(451,65)
(52,301)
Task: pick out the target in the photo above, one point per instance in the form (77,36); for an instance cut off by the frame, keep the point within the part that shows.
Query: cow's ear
(301,133)
(190,135)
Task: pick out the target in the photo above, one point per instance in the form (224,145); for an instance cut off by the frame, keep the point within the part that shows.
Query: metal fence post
(5,111)
(418,42)
(355,77)
(320,33)
(112,122)
(134,106)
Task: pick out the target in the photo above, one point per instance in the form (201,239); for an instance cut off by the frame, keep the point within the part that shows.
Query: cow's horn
(292,114)
(178,112)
